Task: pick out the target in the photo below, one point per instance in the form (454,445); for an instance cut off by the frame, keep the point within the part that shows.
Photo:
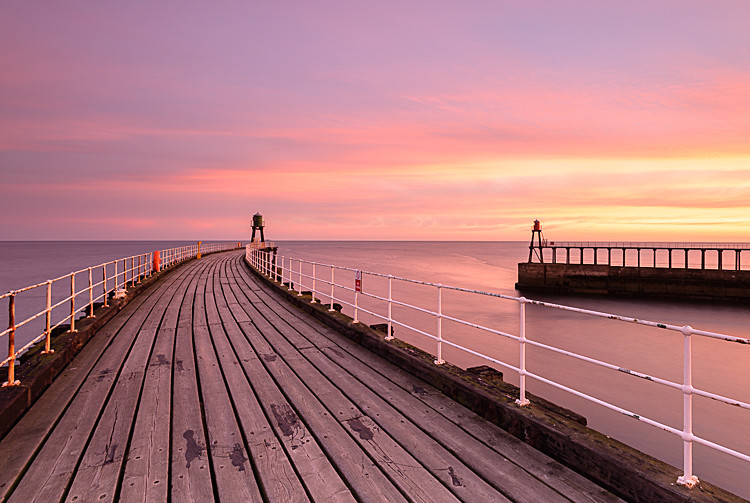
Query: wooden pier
(207,386)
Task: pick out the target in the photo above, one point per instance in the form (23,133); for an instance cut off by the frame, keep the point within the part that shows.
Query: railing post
(299,284)
(91,294)
(313,284)
(522,400)
(331,308)
(104,284)
(275,267)
(139,268)
(132,272)
(11,342)
(73,302)
(439,360)
(356,298)
(389,334)
(687,478)
(48,321)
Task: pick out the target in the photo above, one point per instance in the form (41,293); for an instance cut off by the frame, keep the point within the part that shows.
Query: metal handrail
(282,269)
(134,269)
(662,245)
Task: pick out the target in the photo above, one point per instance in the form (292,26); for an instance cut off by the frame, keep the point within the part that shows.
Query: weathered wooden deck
(208,387)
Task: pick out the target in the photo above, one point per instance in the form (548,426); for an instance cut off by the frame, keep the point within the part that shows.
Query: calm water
(719,367)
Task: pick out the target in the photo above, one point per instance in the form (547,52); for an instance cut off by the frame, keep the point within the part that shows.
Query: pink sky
(375,120)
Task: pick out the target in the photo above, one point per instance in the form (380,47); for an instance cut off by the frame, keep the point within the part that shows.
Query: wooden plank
(20,445)
(443,466)
(235,479)
(360,473)
(316,471)
(190,474)
(50,474)
(410,477)
(274,470)
(561,479)
(333,383)
(146,472)
(540,467)
(98,473)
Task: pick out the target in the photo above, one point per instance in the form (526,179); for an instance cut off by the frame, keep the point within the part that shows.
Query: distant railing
(111,278)
(345,288)
(550,251)
(260,245)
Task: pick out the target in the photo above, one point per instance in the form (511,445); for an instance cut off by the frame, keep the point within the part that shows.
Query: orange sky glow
(361,121)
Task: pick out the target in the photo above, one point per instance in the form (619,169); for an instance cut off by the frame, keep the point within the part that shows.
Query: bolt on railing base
(522,403)
(6,384)
(48,352)
(439,361)
(688,482)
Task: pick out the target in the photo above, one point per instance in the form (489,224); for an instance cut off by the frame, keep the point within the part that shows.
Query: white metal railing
(289,271)
(621,247)
(259,245)
(646,244)
(111,278)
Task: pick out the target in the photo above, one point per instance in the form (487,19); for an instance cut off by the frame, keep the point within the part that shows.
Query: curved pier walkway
(208,387)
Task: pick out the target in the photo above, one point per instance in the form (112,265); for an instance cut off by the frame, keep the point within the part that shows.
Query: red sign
(357,281)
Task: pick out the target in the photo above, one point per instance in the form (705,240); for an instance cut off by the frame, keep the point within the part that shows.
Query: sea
(491,266)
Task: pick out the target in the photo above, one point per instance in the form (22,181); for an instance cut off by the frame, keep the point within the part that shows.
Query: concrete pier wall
(704,284)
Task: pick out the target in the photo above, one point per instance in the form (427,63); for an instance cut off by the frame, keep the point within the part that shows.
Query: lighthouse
(258,224)
(536,234)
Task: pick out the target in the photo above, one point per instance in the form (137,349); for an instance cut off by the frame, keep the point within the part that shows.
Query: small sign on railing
(358,281)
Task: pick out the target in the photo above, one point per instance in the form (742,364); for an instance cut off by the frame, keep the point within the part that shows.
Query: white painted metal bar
(299,283)
(73,302)
(687,479)
(48,321)
(11,360)
(522,400)
(439,360)
(313,284)
(104,285)
(91,294)
(332,286)
(389,334)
